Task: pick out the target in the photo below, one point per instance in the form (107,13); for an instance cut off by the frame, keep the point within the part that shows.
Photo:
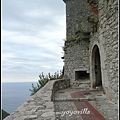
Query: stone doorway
(96,67)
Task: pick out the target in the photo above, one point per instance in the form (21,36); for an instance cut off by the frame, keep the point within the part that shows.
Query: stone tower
(91,46)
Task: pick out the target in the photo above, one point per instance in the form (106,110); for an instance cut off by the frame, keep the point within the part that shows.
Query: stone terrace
(57,96)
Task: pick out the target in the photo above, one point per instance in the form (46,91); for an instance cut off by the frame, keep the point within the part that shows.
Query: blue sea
(14,94)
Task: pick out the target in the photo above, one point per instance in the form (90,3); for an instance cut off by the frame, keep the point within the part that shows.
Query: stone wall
(103,29)
(76,58)
(77,12)
(106,39)
(40,106)
(77,40)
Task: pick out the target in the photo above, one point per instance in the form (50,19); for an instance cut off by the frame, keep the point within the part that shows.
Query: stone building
(91,46)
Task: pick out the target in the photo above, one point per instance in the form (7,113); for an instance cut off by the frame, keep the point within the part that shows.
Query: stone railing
(60,84)
(40,106)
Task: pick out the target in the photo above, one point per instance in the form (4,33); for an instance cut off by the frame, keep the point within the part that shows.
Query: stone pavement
(74,103)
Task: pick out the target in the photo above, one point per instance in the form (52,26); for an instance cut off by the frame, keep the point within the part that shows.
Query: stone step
(80,85)
(74,99)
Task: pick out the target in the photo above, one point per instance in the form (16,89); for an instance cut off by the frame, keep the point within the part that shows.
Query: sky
(33,33)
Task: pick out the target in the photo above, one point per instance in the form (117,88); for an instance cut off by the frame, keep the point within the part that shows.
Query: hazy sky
(32,38)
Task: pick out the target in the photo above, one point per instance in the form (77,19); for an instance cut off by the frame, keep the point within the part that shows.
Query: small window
(81,75)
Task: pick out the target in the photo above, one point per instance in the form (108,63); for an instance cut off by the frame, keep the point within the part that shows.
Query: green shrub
(43,79)
(70,38)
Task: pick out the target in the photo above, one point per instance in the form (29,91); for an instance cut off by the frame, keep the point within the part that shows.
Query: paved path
(68,105)
(92,113)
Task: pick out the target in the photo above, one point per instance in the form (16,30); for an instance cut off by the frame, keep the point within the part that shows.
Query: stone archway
(96,67)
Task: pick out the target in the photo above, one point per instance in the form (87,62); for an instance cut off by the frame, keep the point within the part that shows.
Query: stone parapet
(40,106)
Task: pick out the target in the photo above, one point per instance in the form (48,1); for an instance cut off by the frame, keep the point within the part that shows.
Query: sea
(14,94)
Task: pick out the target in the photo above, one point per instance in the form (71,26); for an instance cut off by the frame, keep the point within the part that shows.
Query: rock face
(4,114)
(91,46)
